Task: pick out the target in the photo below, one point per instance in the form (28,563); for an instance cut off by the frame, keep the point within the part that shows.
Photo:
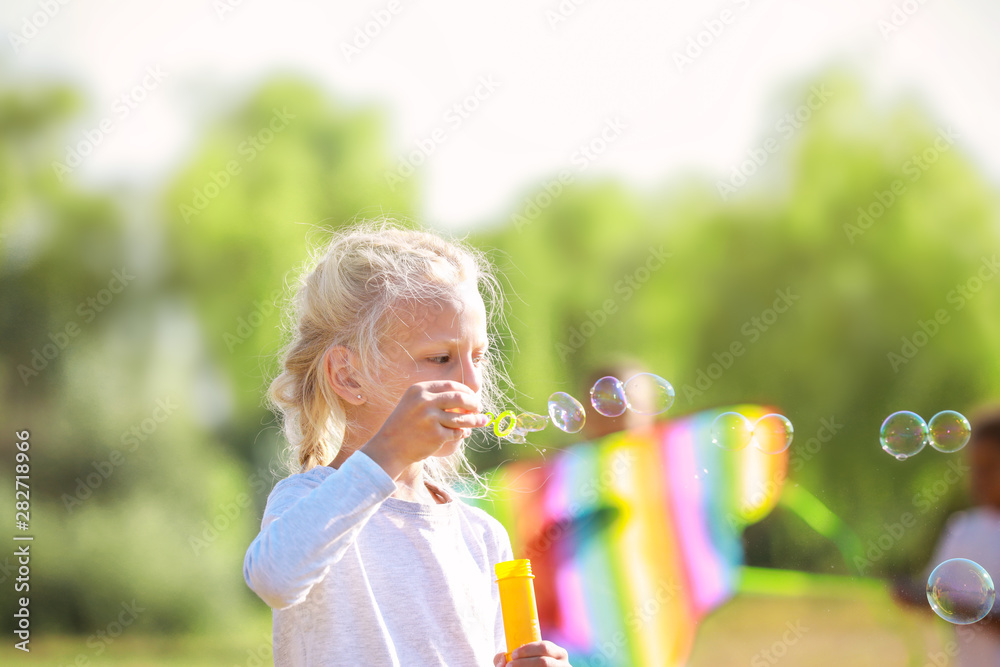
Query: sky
(494,99)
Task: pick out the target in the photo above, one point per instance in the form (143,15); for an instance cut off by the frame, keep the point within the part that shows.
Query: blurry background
(814,181)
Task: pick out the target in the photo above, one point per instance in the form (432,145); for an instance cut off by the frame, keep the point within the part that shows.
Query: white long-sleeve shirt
(356,577)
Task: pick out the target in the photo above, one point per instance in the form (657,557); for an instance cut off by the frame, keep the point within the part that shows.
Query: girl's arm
(306,529)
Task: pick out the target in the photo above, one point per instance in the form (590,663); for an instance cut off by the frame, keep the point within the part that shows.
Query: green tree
(273,177)
(818,300)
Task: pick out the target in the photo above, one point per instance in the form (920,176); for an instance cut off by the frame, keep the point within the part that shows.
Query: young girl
(366,555)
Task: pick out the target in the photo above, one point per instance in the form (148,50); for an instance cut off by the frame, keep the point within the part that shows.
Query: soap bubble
(948,431)
(648,394)
(518,433)
(772,434)
(517,437)
(731,431)
(529,421)
(608,396)
(903,434)
(566,412)
(526,423)
(960,591)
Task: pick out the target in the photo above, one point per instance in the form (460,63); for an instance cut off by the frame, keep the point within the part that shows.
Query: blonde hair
(349,295)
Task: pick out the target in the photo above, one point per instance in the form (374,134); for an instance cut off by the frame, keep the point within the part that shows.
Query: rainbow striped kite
(633,538)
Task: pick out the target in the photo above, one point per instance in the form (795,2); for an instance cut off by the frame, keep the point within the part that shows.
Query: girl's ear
(337,365)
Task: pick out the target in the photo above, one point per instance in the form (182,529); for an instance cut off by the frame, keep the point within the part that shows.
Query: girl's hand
(429,415)
(535,654)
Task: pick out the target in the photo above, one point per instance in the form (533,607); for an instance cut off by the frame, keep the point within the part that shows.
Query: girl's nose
(470,375)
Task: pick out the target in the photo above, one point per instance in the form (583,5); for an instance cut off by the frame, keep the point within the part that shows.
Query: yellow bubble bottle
(517,602)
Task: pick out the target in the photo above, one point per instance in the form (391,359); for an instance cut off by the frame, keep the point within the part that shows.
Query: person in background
(973,534)
(597,425)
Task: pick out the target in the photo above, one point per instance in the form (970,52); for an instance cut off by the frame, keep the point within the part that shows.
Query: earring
(359,395)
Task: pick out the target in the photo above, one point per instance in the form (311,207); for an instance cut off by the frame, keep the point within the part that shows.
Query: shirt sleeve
(308,527)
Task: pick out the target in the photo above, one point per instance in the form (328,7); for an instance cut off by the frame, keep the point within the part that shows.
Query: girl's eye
(446,358)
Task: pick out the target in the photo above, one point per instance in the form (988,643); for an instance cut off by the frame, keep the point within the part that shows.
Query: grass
(250,647)
(816,620)
(838,621)
(818,632)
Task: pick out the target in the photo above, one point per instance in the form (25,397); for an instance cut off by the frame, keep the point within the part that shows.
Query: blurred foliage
(283,168)
(152,452)
(855,291)
(686,273)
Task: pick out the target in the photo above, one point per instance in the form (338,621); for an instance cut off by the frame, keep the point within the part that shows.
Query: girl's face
(445,340)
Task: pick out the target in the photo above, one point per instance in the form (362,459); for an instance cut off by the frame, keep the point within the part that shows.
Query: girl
(366,555)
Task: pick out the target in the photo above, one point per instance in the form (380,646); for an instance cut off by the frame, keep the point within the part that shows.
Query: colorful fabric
(633,538)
